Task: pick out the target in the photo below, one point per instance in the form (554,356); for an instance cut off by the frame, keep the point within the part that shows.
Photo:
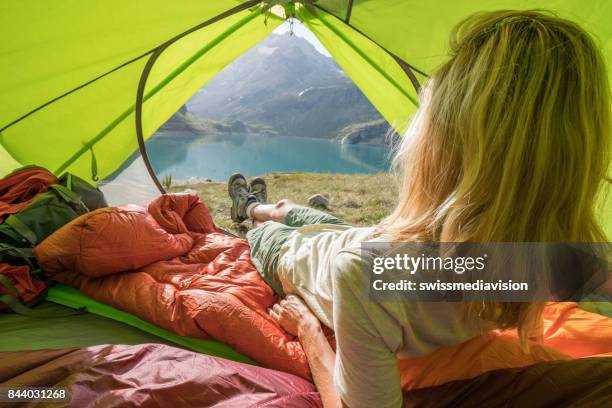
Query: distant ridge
(282,86)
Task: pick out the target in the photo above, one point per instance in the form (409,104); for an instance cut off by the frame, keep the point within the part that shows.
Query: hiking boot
(241,198)
(257,187)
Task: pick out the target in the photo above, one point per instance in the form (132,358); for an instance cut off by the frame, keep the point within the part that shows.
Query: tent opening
(284,106)
(287,86)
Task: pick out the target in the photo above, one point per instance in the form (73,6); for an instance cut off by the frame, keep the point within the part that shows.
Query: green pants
(267,239)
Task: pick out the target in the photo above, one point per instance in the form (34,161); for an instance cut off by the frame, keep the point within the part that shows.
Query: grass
(359,199)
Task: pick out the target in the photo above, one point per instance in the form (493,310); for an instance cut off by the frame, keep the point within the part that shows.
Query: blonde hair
(511,143)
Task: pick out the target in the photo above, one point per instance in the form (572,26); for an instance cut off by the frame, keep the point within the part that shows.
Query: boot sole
(232,178)
(259,180)
(233,214)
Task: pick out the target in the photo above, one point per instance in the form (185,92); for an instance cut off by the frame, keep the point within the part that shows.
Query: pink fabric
(154,375)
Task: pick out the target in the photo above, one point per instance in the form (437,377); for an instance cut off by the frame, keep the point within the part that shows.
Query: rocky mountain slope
(283,86)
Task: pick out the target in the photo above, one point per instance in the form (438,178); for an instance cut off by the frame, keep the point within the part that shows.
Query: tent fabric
(68,88)
(124,375)
(154,375)
(80,42)
(21,333)
(131,184)
(91,132)
(392,92)
(418,31)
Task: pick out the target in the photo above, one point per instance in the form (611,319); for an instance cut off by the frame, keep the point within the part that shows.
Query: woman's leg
(289,213)
(271,212)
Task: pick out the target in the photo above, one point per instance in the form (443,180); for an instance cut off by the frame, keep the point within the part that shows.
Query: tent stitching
(89,145)
(221,16)
(91,81)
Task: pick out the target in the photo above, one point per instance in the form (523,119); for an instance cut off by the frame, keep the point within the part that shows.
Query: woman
(511,144)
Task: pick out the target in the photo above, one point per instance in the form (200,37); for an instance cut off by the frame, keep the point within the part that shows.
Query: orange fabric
(569,332)
(29,288)
(575,331)
(491,351)
(180,273)
(18,189)
(111,240)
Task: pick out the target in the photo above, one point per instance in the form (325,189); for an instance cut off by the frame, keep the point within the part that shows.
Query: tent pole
(138,117)
(407,69)
(140,94)
(349,9)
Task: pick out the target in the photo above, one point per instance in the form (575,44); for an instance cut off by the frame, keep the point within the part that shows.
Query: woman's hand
(293,315)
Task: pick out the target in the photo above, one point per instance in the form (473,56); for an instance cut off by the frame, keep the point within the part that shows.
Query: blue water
(217,157)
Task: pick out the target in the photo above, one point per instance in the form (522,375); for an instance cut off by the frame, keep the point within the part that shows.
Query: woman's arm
(295,317)
(321,359)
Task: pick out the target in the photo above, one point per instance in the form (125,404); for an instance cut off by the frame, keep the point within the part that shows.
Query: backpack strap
(16,252)
(66,194)
(22,229)
(70,197)
(7,283)
(24,310)
(11,234)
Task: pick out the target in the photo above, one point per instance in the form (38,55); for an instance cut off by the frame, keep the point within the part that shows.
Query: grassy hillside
(360,200)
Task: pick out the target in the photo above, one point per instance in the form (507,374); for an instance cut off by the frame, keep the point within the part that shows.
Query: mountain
(375,131)
(190,126)
(283,85)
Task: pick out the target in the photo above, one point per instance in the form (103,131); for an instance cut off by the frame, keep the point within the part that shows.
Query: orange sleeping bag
(169,265)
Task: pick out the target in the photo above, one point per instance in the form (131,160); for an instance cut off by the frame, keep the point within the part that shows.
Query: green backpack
(49,211)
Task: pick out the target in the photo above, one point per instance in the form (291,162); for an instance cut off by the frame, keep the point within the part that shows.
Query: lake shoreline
(215,158)
(170,136)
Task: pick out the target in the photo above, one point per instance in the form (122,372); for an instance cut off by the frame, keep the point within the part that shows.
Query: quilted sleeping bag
(169,265)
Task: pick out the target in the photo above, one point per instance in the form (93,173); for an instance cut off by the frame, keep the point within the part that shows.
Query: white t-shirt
(322,264)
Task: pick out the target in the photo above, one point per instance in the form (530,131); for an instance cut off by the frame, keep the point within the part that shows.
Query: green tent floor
(83,330)
(102,324)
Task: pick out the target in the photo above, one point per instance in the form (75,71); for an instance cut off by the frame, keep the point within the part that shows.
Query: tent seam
(83,85)
(89,145)
(140,94)
(79,87)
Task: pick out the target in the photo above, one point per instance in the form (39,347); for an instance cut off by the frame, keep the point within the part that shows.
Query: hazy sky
(301,31)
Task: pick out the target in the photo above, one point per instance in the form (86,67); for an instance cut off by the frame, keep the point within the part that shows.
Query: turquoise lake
(217,157)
